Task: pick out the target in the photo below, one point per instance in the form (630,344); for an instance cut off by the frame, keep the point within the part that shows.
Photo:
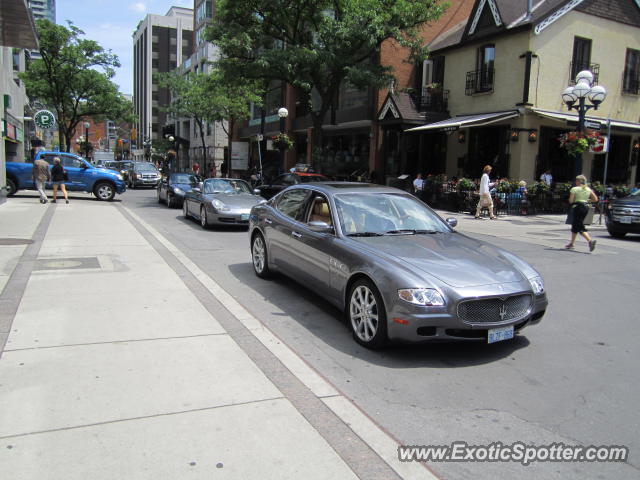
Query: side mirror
(257,191)
(453,222)
(196,189)
(320,227)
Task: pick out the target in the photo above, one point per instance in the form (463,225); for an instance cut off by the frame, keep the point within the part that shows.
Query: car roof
(334,188)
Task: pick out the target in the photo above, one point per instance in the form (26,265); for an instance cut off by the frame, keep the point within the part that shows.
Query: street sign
(44,119)
(592,125)
(601,146)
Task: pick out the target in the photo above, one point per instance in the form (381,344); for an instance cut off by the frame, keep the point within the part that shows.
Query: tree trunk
(230,145)
(204,147)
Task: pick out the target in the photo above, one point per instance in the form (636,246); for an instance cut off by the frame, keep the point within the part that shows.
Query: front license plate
(499,334)
(244,216)
(625,219)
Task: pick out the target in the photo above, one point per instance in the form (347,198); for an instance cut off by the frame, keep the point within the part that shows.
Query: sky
(111,23)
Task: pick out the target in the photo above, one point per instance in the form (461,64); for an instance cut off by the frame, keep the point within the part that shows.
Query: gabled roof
(491,17)
(400,106)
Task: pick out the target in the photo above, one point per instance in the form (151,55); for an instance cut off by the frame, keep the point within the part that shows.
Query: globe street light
(283,113)
(583,90)
(172,139)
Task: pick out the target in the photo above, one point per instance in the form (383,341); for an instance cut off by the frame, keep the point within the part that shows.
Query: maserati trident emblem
(503,311)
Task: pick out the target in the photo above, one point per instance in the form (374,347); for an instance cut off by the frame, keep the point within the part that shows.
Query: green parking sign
(44,119)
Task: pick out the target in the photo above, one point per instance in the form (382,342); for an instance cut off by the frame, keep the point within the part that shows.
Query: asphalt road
(572,379)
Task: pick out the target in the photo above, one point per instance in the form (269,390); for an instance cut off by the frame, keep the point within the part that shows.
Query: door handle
(268,220)
(296,235)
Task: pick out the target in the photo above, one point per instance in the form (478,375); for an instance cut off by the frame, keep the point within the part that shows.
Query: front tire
(170,202)
(259,256)
(104,191)
(203,217)
(12,188)
(159,199)
(366,314)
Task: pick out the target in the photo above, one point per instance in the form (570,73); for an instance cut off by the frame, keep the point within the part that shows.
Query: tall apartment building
(160,44)
(43,9)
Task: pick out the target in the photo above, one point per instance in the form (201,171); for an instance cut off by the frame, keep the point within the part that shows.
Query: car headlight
(537,284)
(421,296)
(220,206)
(119,177)
(178,191)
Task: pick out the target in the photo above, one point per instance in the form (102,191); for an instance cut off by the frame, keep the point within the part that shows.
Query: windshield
(226,186)
(145,167)
(312,178)
(184,178)
(372,214)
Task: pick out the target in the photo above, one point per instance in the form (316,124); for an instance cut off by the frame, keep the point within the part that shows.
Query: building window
(481,80)
(631,79)
(581,59)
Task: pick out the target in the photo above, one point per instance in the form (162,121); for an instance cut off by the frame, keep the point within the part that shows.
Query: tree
(73,78)
(207,98)
(317,45)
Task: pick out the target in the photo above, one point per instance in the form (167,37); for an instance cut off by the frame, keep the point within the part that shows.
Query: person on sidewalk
(547,178)
(59,177)
(418,186)
(579,197)
(41,174)
(485,194)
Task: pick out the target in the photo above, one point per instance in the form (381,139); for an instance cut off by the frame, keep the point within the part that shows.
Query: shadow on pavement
(60,197)
(326,323)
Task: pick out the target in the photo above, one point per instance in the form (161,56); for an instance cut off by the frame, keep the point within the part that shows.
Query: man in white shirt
(485,195)
(418,186)
(546,177)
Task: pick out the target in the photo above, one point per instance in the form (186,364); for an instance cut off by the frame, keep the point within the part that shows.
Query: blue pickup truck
(83,177)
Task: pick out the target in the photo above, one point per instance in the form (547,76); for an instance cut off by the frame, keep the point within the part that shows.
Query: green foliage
(621,191)
(466,185)
(73,78)
(564,187)
(282,139)
(598,188)
(506,186)
(539,188)
(317,45)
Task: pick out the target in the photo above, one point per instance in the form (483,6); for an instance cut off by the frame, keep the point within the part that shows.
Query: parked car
(623,215)
(286,180)
(221,201)
(83,176)
(121,166)
(143,174)
(172,189)
(397,270)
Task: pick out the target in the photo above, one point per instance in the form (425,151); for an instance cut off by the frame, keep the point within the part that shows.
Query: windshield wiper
(365,234)
(411,231)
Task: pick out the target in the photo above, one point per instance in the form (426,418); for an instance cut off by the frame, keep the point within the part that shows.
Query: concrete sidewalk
(124,360)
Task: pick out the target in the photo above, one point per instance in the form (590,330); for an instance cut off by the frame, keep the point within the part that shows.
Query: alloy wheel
(203,217)
(257,253)
(363,313)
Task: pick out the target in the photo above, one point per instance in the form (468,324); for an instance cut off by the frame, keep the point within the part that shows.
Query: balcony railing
(434,100)
(479,81)
(576,68)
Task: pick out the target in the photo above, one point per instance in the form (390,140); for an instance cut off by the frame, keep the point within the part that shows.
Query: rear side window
(68,161)
(292,202)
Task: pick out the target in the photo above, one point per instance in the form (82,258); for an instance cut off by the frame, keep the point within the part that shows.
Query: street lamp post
(583,90)
(283,113)
(172,141)
(86,138)
(80,142)
(147,149)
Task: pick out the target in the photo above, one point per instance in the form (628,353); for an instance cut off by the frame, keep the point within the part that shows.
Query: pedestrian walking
(59,176)
(579,198)
(485,194)
(41,174)
(418,186)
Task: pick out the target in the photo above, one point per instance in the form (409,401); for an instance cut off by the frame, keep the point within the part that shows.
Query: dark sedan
(286,180)
(220,201)
(172,189)
(623,215)
(397,270)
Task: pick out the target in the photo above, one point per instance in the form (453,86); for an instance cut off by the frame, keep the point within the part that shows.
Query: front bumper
(233,217)
(121,187)
(143,182)
(409,323)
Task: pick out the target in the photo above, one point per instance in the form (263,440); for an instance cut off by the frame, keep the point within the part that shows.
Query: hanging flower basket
(282,140)
(577,143)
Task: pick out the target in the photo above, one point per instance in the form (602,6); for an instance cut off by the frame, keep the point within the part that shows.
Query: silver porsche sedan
(397,270)
(220,201)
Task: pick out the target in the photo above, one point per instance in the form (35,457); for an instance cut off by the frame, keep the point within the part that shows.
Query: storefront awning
(467,121)
(567,117)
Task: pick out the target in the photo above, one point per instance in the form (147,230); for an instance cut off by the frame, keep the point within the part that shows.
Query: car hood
(107,170)
(452,258)
(187,187)
(243,200)
(626,202)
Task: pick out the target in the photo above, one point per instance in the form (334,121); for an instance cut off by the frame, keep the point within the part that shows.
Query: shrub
(466,185)
(539,188)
